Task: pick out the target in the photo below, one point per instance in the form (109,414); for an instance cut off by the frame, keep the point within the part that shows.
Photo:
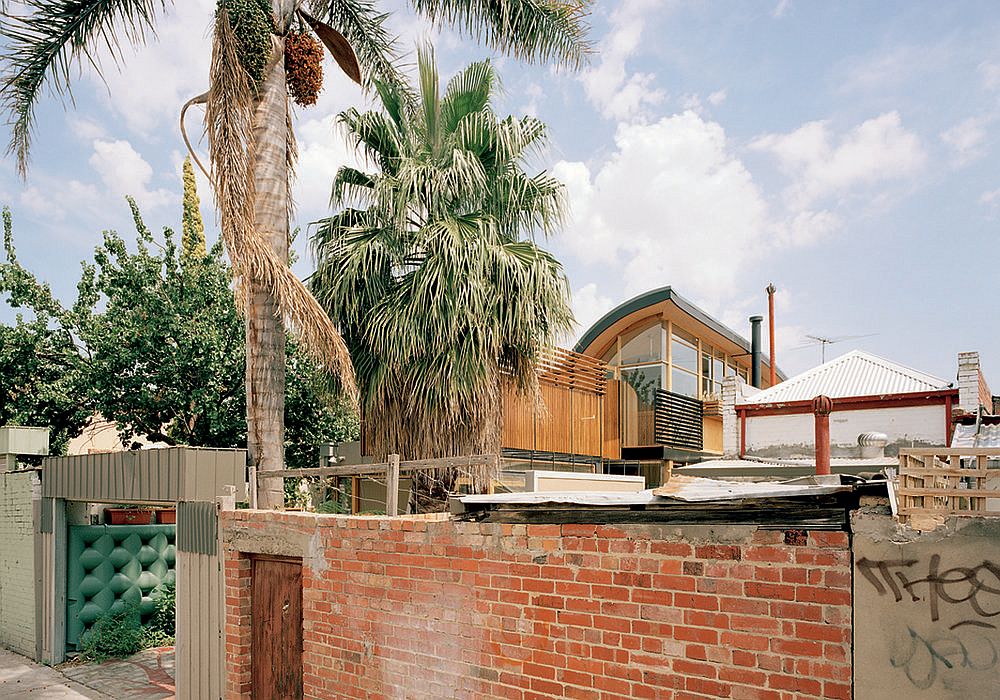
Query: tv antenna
(823,342)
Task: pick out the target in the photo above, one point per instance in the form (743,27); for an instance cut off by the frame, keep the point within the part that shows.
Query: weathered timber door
(276,614)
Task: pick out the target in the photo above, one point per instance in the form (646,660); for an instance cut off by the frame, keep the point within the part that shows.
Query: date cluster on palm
(252,24)
(303,67)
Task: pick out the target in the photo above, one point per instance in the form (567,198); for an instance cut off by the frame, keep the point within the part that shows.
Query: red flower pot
(127,516)
(167,516)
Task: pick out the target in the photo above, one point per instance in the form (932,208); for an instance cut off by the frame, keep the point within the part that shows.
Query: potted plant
(128,515)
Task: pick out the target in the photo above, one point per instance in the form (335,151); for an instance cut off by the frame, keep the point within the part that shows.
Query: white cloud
(588,306)
(694,103)
(717,98)
(84,128)
(990,74)
(608,84)
(891,68)
(55,199)
(322,151)
(781,9)
(966,139)
(125,172)
(824,165)
(990,198)
(158,78)
(533,92)
(674,205)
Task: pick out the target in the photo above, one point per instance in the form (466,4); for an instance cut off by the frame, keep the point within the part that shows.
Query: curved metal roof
(657,296)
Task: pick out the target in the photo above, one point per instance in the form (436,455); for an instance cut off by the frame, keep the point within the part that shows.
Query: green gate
(111,565)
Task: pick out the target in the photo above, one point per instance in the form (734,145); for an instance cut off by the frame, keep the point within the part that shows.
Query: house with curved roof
(663,361)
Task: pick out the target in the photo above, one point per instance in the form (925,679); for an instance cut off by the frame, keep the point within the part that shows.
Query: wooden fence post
(392,486)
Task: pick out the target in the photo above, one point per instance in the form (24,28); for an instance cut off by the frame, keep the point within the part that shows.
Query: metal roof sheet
(656,296)
(967,436)
(857,373)
(690,489)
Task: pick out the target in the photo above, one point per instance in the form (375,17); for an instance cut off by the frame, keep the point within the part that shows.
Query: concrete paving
(149,675)
(23,679)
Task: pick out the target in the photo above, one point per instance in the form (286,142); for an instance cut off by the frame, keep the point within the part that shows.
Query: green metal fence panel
(109,566)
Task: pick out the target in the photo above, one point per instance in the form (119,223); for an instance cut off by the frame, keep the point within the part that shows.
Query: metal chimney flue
(771,289)
(755,350)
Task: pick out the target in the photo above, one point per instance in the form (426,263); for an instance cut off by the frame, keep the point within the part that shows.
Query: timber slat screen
(571,370)
(571,419)
(678,420)
(949,481)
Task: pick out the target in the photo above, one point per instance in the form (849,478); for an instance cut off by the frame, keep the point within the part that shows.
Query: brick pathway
(149,675)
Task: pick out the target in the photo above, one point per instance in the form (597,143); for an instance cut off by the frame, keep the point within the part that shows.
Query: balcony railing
(678,420)
(939,481)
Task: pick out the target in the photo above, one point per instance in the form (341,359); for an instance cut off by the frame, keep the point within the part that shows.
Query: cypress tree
(193,230)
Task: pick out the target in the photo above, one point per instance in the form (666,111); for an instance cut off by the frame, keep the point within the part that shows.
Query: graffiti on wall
(956,614)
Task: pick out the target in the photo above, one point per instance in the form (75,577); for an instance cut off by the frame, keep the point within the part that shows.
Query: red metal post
(822,407)
(947,420)
(770,331)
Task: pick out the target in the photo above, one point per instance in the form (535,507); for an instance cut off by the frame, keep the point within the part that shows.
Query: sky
(846,152)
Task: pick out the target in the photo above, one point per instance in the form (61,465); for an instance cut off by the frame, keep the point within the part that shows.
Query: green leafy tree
(153,342)
(431,268)
(38,367)
(250,139)
(39,362)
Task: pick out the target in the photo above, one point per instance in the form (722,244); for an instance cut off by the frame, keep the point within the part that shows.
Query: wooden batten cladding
(679,421)
(571,416)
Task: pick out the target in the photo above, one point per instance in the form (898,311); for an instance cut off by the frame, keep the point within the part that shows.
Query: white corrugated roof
(969,436)
(855,374)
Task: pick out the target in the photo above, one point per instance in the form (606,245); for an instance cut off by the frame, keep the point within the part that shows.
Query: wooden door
(276,615)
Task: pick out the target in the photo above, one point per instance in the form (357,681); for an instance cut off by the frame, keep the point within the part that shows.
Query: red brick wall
(399,608)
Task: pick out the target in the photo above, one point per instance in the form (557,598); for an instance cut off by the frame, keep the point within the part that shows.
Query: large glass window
(682,382)
(712,373)
(644,346)
(639,386)
(683,355)
(644,382)
(611,356)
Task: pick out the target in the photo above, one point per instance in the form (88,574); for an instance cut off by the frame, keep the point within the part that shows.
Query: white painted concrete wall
(17,562)
(794,435)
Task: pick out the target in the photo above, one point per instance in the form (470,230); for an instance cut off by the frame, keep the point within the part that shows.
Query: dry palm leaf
(229,116)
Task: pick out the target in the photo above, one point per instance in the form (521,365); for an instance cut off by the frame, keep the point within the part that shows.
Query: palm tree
(431,270)
(250,139)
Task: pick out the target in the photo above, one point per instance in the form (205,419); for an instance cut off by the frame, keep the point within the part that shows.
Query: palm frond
(430,102)
(229,115)
(438,286)
(44,41)
(364,27)
(467,93)
(542,30)
(351,186)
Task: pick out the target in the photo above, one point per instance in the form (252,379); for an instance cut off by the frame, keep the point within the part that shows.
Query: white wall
(793,435)
(17,562)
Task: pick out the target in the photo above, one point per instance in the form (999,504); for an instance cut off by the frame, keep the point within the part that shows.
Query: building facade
(664,361)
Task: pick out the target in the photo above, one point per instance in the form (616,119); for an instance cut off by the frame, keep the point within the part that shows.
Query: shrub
(115,635)
(159,631)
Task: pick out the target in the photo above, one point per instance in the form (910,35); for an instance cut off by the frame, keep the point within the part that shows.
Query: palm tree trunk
(265,339)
